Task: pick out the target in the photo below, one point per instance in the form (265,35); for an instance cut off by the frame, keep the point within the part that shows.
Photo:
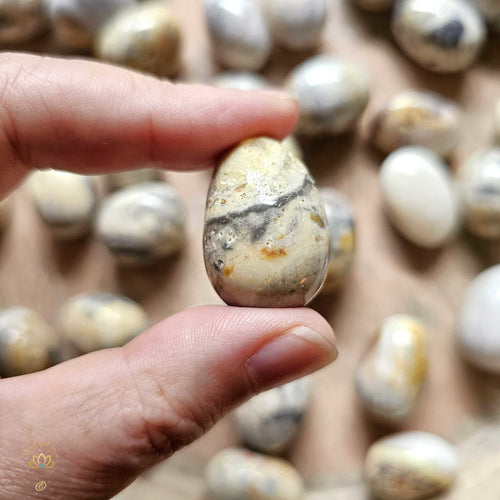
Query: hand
(112,414)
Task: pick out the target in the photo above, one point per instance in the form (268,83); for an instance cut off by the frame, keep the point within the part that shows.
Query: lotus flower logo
(42,462)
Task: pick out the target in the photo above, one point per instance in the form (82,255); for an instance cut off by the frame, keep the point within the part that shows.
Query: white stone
(296,24)
(444,36)
(479,321)
(419,196)
(331,93)
(410,466)
(240,80)
(270,421)
(480,188)
(239,33)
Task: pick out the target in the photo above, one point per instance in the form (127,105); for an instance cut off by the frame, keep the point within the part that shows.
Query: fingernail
(291,355)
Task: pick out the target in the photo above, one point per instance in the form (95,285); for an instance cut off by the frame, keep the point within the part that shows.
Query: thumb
(113,413)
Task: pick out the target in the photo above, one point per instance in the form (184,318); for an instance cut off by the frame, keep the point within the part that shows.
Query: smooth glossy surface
(65,201)
(239,33)
(266,240)
(27,342)
(410,466)
(479,321)
(332,94)
(419,196)
(444,36)
(142,223)
(296,24)
(21,21)
(391,373)
(120,180)
(97,320)
(270,421)
(237,474)
(415,118)
(146,37)
(342,237)
(480,188)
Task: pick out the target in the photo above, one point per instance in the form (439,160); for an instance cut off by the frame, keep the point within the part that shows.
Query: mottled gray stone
(97,320)
(21,21)
(331,93)
(444,36)
(265,241)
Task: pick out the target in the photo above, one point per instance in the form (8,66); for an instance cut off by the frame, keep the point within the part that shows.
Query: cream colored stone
(270,421)
(443,36)
(342,237)
(292,144)
(266,241)
(480,188)
(237,474)
(142,223)
(331,93)
(375,5)
(239,33)
(22,21)
(296,24)
(240,80)
(415,118)
(97,320)
(65,201)
(27,342)
(146,37)
(410,466)
(391,373)
(479,321)
(419,196)
(120,180)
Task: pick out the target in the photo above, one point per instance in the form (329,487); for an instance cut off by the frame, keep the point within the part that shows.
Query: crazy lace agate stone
(342,237)
(270,421)
(391,373)
(331,93)
(410,466)
(239,33)
(296,24)
(237,474)
(66,202)
(5,212)
(480,186)
(419,196)
(21,21)
(97,320)
(415,118)
(76,22)
(490,10)
(27,342)
(266,240)
(375,5)
(142,223)
(443,36)
(479,321)
(146,37)
(120,180)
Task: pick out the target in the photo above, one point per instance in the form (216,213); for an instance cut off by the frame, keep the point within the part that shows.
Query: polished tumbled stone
(331,93)
(142,223)
(97,320)
(239,33)
(410,466)
(480,188)
(237,474)
(120,180)
(27,342)
(444,36)
(479,321)
(266,239)
(296,24)
(392,371)
(415,118)
(21,21)
(65,201)
(146,37)
(419,196)
(270,421)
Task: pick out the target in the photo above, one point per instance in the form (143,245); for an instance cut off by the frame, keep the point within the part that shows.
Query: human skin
(112,414)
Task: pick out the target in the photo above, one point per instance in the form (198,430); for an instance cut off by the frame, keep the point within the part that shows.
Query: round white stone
(240,80)
(479,321)
(419,196)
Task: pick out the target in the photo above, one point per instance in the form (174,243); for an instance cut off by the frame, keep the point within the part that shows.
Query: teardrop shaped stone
(266,240)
